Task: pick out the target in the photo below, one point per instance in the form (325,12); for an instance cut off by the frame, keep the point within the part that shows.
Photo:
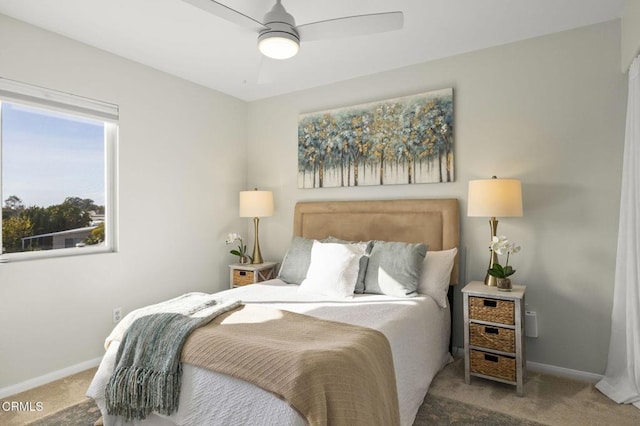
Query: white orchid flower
(499,240)
(241,251)
(494,243)
(501,245)
(232,237)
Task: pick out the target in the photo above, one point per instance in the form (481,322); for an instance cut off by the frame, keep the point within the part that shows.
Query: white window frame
(26,94)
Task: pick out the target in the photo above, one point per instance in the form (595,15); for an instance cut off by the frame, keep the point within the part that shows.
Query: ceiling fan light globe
(278,45)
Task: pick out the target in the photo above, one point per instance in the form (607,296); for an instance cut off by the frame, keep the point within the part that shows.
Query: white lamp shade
(495,198)
(256,203)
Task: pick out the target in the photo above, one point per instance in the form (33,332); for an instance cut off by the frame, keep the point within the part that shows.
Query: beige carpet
(548,399)
(55,396)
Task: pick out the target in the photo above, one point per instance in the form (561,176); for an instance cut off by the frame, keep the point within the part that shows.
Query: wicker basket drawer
(243,277)
(493,310)
(498,338)
(493,365)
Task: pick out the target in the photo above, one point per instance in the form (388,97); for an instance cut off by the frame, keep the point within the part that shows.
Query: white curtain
(621,381)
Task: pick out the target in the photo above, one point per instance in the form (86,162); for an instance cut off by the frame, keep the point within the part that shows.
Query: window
(57,173)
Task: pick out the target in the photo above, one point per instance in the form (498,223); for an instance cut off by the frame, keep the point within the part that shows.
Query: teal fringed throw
(148,372)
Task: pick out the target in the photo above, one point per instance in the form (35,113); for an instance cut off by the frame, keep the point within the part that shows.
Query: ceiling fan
(279,37)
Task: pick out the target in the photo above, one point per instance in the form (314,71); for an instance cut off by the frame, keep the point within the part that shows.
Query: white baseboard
(583,376)
(48,378)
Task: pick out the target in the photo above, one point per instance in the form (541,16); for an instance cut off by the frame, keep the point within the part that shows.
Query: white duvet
(417,329)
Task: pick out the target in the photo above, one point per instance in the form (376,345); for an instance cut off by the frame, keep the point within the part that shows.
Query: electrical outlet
(117,315)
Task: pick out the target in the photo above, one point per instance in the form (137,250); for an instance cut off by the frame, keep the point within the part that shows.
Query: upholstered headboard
(435,222)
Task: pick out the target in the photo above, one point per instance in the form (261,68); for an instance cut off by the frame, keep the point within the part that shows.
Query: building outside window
(58,173)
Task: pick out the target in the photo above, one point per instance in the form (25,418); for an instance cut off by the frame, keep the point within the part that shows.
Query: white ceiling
(180,39)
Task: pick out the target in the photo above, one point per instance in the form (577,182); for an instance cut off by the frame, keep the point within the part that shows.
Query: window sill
(51,254)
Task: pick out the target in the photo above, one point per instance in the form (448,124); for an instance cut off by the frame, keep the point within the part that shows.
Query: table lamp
(256,204)
(494,198)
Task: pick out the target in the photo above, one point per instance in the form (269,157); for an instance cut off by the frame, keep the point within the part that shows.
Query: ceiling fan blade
(225,12)
(351,26)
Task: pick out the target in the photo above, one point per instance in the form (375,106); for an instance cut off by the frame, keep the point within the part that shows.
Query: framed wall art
(404,140)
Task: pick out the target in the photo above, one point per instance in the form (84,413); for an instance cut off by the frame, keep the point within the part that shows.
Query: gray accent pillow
(297,260)
(394,268)
(364,260)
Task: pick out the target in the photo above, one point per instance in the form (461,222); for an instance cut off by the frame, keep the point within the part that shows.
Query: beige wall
(630,32)
(182,162)
(549,111)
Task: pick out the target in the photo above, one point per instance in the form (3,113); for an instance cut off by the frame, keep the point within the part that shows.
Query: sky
(48,156)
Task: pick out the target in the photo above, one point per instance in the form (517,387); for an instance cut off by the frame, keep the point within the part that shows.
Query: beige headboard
(435,222)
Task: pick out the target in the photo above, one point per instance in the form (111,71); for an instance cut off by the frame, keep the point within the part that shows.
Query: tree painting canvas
(396,141)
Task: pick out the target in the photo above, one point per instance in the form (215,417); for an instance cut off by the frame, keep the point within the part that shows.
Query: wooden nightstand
(251,273)
(493,334)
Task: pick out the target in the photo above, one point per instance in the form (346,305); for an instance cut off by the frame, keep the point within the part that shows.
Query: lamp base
(257,256)
(491,281)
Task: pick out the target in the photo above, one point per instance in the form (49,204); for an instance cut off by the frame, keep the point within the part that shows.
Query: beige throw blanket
(330,372)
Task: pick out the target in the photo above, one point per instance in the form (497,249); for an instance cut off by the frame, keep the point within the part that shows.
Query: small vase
(504,284)
(243,260)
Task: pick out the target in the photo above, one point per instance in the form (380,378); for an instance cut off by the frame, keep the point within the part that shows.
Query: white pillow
(333,270)
(436,274)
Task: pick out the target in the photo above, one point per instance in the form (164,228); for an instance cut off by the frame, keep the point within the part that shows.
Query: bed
(417,328)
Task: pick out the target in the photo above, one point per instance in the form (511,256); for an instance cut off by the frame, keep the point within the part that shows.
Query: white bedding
(417,329)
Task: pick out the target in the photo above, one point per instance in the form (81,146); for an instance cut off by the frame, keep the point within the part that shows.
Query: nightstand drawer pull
(491,330)
(242,273)
(490,303)
(491,358)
